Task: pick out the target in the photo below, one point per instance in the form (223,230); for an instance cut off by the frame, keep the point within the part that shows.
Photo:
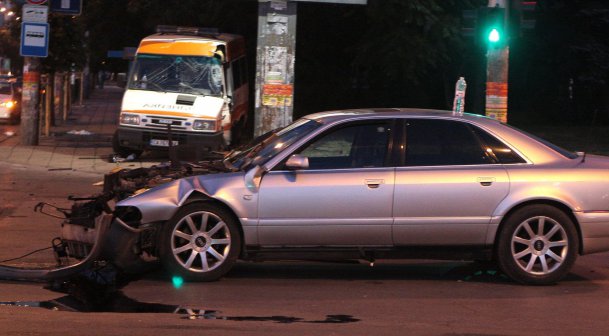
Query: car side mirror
(296,162)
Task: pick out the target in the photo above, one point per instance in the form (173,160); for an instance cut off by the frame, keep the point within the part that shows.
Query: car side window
(495,147)
(436,142)
(355,146)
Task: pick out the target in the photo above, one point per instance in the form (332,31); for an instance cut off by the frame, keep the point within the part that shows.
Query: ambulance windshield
(197,75)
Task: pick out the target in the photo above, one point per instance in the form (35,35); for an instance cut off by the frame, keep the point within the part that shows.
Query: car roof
(331,116)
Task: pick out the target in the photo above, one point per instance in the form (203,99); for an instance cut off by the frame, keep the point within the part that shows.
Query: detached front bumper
(110,241)
(61,272)
(125,247)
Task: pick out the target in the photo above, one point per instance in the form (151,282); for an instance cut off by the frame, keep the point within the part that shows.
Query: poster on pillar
(497,100)
(277,25)
(276,90)
(276,65)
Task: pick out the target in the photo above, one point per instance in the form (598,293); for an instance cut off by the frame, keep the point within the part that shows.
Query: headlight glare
(204,125)
(8,104)
(130,119)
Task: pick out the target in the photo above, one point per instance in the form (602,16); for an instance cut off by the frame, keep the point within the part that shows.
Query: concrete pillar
(30,109)
(276,53)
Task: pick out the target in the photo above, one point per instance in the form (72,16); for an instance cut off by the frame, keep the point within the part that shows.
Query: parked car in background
(383,183)
(10,100)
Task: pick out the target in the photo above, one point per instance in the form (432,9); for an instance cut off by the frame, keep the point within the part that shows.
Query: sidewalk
(90,151)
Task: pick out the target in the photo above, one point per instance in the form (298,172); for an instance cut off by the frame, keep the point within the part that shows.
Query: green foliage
(569,44)
(66,44)
(408,39)
(389,52)
(9,42)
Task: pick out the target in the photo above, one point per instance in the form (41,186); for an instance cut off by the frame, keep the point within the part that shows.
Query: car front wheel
(200,243)
(537,245)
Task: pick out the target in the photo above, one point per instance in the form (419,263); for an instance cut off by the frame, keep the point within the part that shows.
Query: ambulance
(186,85)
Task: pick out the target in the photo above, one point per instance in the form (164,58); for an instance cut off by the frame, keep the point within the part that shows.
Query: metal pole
(29,101)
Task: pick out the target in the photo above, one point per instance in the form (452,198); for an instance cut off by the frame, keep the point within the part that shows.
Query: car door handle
(486,181)
(374,183)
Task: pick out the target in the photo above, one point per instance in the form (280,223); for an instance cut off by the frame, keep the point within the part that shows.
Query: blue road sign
(72,7)
(34,39)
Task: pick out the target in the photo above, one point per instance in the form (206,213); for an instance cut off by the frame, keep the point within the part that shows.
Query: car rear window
(558,149)
(501,151)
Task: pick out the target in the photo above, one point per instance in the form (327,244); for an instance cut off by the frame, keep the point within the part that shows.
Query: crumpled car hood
(161,202)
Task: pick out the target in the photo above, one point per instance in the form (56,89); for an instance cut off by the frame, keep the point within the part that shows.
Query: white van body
(186,85)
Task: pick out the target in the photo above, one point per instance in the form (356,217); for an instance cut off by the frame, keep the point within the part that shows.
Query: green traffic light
(494,36)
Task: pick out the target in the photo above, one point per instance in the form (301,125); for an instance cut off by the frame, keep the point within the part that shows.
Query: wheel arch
(199,197)
(553,203)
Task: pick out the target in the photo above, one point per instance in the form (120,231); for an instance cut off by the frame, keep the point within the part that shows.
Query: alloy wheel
(539,245)
(201,241)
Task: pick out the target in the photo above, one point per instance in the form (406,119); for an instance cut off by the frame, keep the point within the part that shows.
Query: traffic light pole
(497,60)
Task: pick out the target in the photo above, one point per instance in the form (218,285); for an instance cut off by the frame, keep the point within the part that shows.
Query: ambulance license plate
(162,143)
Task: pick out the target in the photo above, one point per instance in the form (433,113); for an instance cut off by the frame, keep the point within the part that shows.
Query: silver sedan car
(384,183)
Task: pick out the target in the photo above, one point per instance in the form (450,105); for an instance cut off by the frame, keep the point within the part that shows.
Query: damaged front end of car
(95,233)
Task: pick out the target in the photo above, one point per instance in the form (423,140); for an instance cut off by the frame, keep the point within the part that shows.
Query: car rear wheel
(201,242)
(537,245)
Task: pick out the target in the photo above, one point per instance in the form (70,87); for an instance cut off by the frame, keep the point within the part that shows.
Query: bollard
(66,96)
(48,106)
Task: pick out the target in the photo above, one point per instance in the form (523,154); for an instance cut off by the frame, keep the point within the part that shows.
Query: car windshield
(197,75)
(265,147)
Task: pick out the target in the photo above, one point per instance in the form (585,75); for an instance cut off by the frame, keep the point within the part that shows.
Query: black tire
(123,151)
(200,243)
(537,245)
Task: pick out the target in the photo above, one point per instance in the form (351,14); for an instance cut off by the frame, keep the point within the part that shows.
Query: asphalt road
(283,298)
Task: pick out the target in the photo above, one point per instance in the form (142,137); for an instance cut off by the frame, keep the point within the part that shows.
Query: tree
(9,43)
(568,48)
(387,53)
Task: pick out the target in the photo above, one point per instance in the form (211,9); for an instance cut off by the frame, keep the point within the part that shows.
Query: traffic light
(523,17)
(491,27)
